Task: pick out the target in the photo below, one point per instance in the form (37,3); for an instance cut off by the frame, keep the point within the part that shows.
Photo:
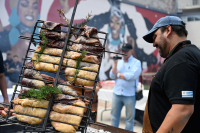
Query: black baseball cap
(126,47)
(164,21)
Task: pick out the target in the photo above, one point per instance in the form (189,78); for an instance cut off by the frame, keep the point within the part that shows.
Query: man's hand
(17,69)
(120,76)
(11,70)
(114,69)
(115,61)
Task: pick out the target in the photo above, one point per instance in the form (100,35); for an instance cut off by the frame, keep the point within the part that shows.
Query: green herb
(78,61)
(43,92)
(73,30)
(42,46)
(85,21)
(62,14)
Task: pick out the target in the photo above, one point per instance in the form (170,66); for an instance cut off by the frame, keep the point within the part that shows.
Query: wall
(169,6)
(130,25)
(194,32)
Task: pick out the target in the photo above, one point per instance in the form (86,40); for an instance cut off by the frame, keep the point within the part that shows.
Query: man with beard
(173,104)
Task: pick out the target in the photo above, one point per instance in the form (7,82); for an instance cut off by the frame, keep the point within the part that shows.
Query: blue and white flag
(187,94)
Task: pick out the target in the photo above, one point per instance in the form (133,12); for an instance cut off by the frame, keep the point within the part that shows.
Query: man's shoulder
(189,52)
(135,60)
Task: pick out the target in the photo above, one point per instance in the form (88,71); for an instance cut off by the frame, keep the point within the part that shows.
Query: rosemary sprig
(43,92)
(73,30)
(42,46)
(61,15)
(85,21)
(78,61)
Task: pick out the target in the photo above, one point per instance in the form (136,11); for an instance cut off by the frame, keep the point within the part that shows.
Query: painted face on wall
(115,26)
(28,11)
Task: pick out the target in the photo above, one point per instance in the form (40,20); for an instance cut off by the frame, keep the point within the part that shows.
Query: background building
(189,11)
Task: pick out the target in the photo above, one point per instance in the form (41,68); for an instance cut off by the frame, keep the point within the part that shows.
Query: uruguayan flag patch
(187,94)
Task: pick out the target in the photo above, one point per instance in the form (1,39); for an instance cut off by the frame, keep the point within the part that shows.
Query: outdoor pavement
(107,117)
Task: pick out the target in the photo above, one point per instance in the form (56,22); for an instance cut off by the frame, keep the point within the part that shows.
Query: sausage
(6,109)
(3,113)
(10,113)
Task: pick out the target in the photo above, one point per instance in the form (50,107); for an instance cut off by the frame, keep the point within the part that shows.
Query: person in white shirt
(126,73)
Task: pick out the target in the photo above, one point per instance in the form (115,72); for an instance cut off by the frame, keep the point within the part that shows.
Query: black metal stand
(104,110)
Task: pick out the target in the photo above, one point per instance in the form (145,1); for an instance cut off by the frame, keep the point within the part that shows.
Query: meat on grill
(66,62)
(71,112)
(32,74)
(53,43)
(88,31)
(29,111)
(32,82)
(70,72)
(63,108)
(67,118)
(31,102)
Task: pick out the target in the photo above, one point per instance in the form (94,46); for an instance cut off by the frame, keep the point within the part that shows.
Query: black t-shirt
(177,82)
(1,63)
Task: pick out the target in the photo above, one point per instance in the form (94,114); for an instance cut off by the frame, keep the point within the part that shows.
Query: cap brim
(125,49)
(149,36)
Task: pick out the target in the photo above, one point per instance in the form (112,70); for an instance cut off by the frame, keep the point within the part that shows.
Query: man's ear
(168,30)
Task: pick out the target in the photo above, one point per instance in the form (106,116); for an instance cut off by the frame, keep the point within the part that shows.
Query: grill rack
(45,126)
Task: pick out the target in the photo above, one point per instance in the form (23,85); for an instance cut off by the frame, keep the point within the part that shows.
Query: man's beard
(164,42)
(161,51)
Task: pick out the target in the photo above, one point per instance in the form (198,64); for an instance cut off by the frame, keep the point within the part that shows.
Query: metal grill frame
(45,125)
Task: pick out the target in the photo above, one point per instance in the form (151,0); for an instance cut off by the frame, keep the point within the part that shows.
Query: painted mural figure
(24,14)
(117,21)
(124,23)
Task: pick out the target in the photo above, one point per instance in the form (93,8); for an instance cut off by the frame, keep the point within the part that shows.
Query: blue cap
(168,20)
